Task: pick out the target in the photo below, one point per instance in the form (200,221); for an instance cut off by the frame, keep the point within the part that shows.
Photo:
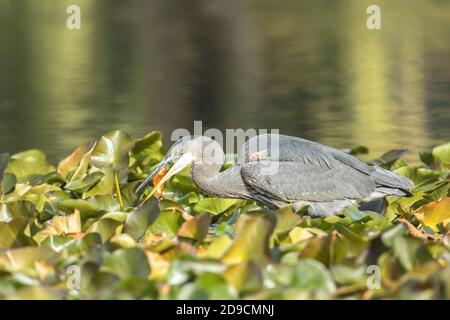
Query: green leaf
(104,203)
(105,227)
(29,165)
(312,275)
(113,150)
(207,286)
(215,286)
(244,276)
(87,210)
(405,250)
(127,263)
(139,219)
(88,182)
(223,228)
(186,267)
(57,243)
(151,143)
(442,154)
(118,216)
(20,208)
(183,184)
(39,293)
(349,274)
(147,152)
(351,243)
(195,228)
(106,184)
(218,247)
(427,158)
(167,223)
(23,259)
(355,214)
(286,220)
(251,239)
(36,194)
(8,183)
(75,165)
(420,176)
(128,194)
(10,232)
(214,205)
(389,236)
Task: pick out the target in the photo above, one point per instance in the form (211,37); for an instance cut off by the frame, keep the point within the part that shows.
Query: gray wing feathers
(311,171)
(296,181)
(298,150)
(284,148)
(348,159)
(390,179)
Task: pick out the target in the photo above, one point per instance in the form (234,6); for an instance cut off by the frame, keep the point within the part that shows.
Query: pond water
(308,68)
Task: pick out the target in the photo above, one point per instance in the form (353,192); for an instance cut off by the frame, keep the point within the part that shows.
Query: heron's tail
(390,183)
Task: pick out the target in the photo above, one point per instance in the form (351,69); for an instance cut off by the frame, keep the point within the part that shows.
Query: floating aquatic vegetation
(74,231)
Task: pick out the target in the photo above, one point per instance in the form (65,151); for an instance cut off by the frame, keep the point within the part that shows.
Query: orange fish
(156,179)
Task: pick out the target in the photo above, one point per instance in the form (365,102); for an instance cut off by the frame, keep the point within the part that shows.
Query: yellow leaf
(218,247)
(244,276)
(123,240)
(251,238)
(159,265)
(298,234)
(434,213)
(65,225)
(44,269)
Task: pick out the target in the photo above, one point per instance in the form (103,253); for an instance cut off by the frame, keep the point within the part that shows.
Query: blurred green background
(309,68)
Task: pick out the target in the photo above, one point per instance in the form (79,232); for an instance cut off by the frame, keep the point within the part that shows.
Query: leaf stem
(119,195)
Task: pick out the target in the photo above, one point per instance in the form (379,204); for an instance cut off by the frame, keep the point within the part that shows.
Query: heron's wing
(292,149)
(297,181)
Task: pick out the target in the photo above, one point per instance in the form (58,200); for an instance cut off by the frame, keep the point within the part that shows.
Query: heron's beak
(147,180)
(182,163)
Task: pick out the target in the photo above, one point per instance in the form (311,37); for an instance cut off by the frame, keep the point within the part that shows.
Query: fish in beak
(156,179)
(179,165)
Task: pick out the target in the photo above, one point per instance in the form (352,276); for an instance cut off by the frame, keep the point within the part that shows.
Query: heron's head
(190,149)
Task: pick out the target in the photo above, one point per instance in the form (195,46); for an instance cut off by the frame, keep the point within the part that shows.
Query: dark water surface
(308,68)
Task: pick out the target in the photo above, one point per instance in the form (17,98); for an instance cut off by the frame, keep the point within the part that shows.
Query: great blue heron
(306,173)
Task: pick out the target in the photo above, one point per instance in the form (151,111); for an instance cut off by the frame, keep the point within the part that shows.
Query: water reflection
(309,68)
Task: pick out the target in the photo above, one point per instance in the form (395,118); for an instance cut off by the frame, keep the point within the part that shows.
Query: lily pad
(434,213)
(113,150)
(10,232)
(8,183)
(139,219)
(312,275)
(442,154)
(29,165)
(127,263)
(251,242)
(244,276)
(81,186)
(214,205)
(23,259)
(195,228)
(76,163)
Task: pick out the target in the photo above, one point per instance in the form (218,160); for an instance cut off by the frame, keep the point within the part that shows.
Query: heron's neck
(207,178)
(225,184)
